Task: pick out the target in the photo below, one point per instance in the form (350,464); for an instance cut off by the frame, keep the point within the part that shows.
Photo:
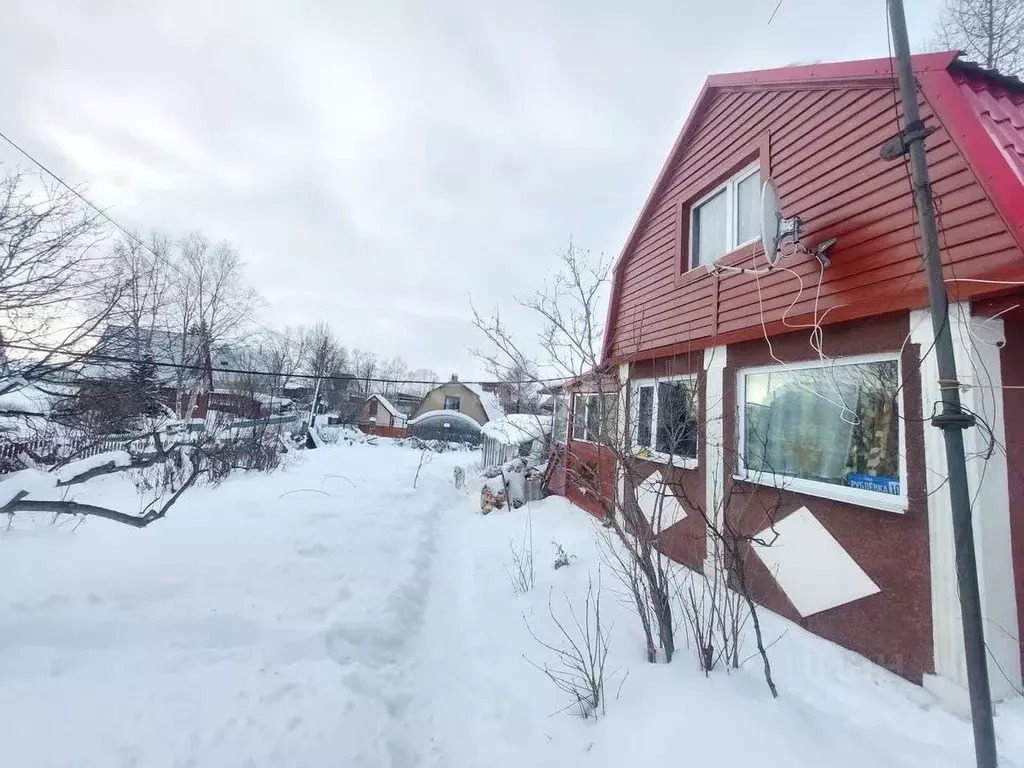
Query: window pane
(451,403)
(677,426)
(710,231)
(748,206)
(593,418)
(609,415)
(561,420)
(644,417)
(579,418)
(836,425)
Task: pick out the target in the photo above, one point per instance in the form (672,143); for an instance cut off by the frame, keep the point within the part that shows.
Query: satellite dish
(771,219)
(773,226)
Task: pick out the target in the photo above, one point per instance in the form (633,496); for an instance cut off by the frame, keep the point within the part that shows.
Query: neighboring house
(379,411)
(468,399)
(188,378)
(812,385)
(180,367)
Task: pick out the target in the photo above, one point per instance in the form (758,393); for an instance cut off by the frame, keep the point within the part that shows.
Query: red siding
(820,144)
(589,476)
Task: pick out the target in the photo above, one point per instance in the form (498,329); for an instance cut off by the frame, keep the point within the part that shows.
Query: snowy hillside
(331,615)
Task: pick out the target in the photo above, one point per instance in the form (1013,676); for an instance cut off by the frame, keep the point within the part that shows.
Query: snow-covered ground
(332,615)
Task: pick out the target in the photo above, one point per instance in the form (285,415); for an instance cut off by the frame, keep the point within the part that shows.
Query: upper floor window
(726,218)
(451,403)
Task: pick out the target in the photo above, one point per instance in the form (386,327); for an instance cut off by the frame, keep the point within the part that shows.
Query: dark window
(451,403)
(645,416)
(677,422)
(593,418)
(579,418)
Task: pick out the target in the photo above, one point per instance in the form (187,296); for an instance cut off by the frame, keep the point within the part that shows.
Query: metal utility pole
(951,419)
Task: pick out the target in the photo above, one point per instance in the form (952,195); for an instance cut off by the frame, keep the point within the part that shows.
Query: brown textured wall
(579,488)
(892,628)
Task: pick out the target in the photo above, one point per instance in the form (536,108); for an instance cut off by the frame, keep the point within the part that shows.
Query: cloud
(379,163)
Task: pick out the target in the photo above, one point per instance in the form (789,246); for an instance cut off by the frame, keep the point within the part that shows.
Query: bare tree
(208,303)
(425,375)
(365,368)
(990,32)
(53,295)
(140,277)
(325,359)
(392,371)
(605,416)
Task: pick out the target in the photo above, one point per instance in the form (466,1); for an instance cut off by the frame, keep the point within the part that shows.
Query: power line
(117,225)
(98,356)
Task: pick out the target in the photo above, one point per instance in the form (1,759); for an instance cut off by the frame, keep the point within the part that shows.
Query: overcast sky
(379,163)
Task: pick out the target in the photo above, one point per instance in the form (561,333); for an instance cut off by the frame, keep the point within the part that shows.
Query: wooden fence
(373,429)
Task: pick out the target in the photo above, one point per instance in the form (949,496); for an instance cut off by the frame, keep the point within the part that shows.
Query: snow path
(246,629)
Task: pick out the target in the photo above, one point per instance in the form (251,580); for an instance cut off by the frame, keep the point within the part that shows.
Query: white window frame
(731,218)
(842,493)
(567,400)
(684,462)
(586,415)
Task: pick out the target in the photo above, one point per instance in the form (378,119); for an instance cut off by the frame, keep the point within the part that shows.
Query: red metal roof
(982,111)
(1001,111)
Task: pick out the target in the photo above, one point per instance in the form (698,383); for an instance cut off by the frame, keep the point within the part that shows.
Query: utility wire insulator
(953,420)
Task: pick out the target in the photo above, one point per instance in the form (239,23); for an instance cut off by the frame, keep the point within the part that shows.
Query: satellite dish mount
(775,227)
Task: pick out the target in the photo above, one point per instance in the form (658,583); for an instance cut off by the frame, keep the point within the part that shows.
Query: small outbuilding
(518,435)
(379,411)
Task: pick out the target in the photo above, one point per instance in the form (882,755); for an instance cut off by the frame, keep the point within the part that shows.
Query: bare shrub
(562,558)
(520,569)
(714,617)
(579,654)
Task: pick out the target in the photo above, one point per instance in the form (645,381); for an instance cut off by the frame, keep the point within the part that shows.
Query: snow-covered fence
(49,450)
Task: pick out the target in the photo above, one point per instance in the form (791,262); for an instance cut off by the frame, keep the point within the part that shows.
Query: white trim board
(988,480)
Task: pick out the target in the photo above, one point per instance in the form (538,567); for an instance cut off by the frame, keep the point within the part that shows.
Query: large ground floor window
(815,426)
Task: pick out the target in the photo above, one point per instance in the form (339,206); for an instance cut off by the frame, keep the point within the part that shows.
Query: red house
(813,383)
